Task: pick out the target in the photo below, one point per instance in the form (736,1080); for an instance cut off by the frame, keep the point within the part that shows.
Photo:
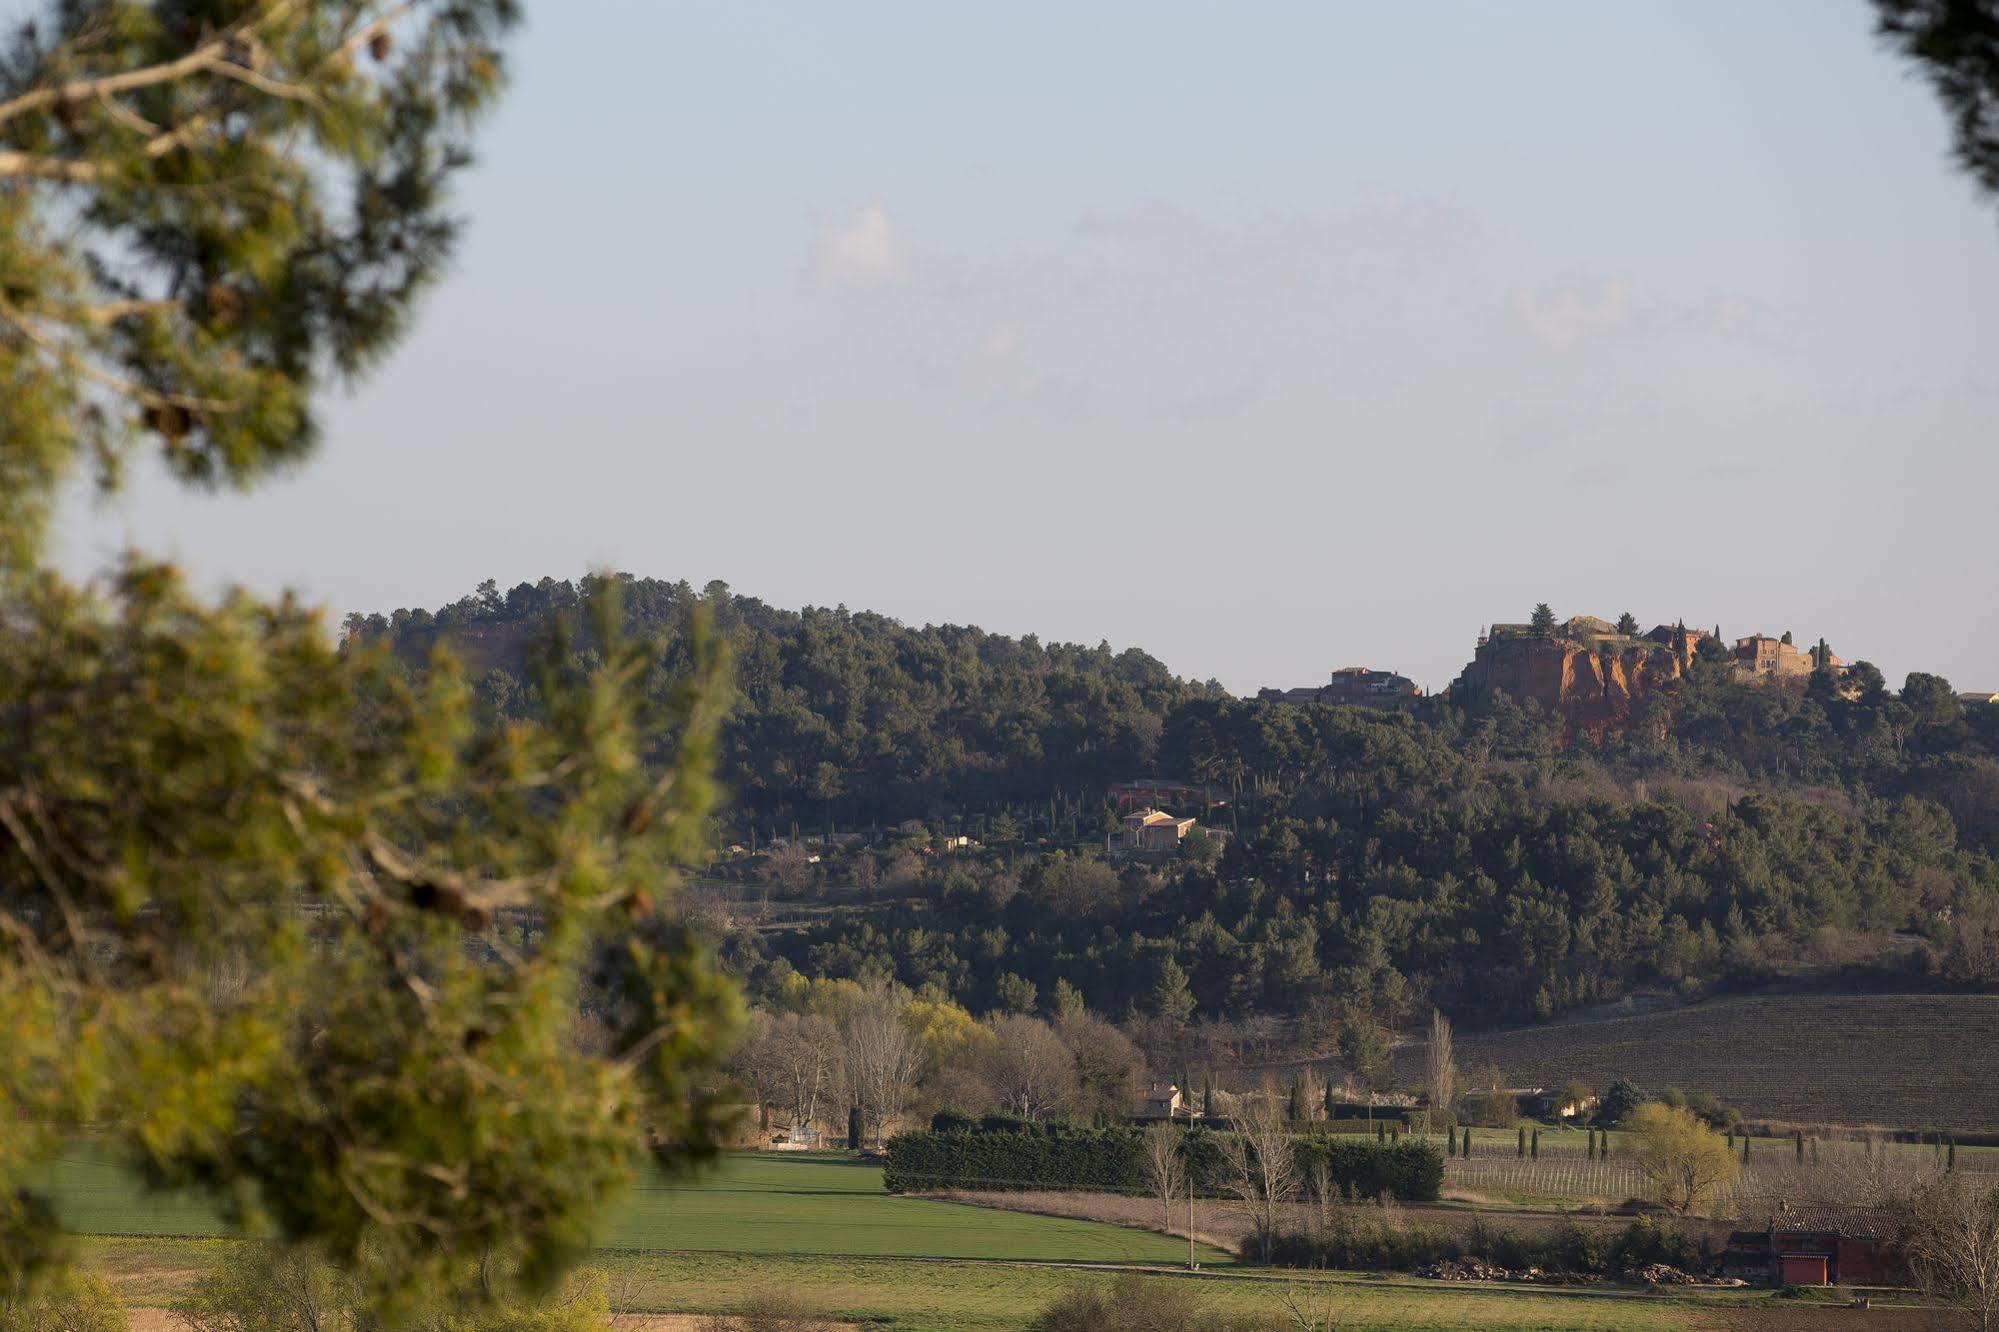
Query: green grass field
(823,1230)
(745,1205)
(927,1295)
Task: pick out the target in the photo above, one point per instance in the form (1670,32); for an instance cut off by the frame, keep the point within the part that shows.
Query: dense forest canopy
(851,716)
(1473,857)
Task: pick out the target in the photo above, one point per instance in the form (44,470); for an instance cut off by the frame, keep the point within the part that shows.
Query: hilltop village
(1590,671)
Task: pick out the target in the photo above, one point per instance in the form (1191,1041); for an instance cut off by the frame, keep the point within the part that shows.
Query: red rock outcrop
(1592,686)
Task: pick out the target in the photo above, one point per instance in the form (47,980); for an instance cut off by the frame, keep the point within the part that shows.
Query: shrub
(248,1281)
(1133,1304)
(73,1301)
(766,1311)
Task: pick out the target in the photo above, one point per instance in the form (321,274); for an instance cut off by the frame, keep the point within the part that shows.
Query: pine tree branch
(34,166)
(131,80)
(96,374)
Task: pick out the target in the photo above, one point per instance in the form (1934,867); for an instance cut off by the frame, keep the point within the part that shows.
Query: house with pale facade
(1155,830)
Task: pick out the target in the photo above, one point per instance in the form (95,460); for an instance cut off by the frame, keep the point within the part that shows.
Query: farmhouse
(1155,830)
(1541,1104)
(1818,1246)
(1162,1100)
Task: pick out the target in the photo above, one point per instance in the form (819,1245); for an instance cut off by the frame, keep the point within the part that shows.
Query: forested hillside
(848,716)
(1372,862)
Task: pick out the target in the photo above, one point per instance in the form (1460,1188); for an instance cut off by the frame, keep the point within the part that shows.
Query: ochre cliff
(1593,687)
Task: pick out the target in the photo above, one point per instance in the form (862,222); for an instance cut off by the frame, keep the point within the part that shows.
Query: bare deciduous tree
(1259,1165)
(1312,1305)
(882,1055)
(788,1060)
(1109,1068)
(1950,1234)
(1029,1070)
(1165,1169)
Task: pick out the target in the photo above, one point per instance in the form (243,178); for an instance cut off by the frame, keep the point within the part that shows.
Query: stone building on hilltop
(1355,686)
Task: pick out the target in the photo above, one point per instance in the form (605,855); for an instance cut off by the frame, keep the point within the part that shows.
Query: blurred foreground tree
(1956,44)
(284,924)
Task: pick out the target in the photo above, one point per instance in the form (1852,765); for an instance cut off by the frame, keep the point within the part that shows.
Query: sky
(1270,338)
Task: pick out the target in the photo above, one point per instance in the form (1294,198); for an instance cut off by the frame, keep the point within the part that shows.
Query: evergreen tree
(1534,1145)
(1543,620)
(1172,1000)
(1295,1108)
(206,209)
(1521,1149)
(1627,624)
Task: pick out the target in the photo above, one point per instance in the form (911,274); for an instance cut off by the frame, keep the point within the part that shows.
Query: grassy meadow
(822,1229)
(746,1204)
(931,1295)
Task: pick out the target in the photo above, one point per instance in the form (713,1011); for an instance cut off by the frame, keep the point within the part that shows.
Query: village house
(1760,654)
(1354,686)
(1155,830)
(1162,1100)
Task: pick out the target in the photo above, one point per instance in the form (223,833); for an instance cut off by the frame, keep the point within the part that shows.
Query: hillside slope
(1892,1060)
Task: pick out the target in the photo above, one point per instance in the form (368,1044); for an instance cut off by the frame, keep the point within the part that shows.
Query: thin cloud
(1568,316)
(860,252)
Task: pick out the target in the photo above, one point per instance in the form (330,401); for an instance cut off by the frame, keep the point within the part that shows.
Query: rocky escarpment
(1593,687)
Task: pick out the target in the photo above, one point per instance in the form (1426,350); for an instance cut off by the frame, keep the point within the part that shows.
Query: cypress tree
(1329,1098)
(1381,1131)
(1296,1107)
(1534,1146)
(1592,1144)
(853,1128)
(1521,1149)
(1451,1141)
(1798,1141)
(1745,1149)
(1208,1098)
(1464,1143)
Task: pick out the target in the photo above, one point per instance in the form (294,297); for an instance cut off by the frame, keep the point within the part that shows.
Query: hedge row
(1374,1244)
(1093,1160)
(1113,1161)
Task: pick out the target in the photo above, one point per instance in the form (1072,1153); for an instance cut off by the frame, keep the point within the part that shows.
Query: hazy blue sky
(1270,338)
